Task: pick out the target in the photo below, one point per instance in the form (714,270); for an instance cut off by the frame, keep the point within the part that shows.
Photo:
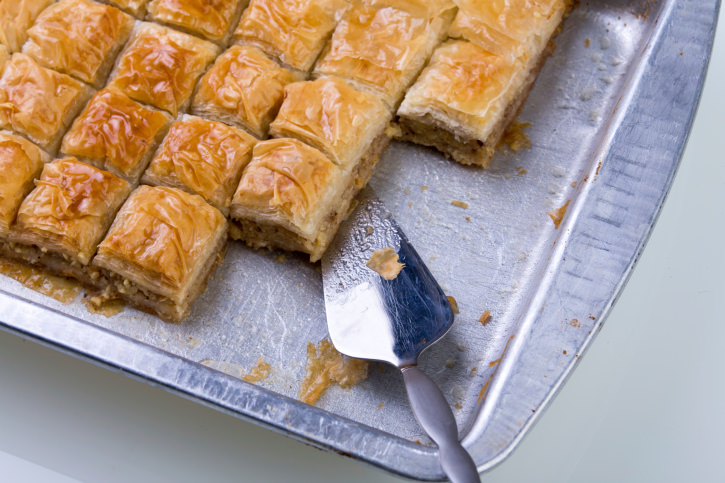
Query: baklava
(79,38)
(291,196)
(161,249)
(60,223)
(462,102)
(509,28)
(347,125)
(202,157)
(210,19)
(473,88)
(137,8)
(37,102)
(159,66)
(16,17)
(117,134)
(20,164)
(243,88)
(381,49)
(4,57)
(291,31)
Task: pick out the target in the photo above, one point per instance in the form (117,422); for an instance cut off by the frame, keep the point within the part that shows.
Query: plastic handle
(435,416)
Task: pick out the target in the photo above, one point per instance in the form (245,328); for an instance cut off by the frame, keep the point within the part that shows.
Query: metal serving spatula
(392,321)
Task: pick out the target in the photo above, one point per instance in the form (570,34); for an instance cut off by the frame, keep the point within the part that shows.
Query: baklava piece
(4,57)
(473,88)
(61,222)
(159,66)
(210,19)
(463,101)
(117,134)
(509,28)
(39,103)
(202,157)
(20,164)
(161,249)
(381,49)
(243,88)
(291,196)
(347,125)
(137,8)
(79,38)
(16,17)
(291,31)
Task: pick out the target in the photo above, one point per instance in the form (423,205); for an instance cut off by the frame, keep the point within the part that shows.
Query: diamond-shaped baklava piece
(20,164)
(16,17)
(211,19)
(202,157)
(137,8)
(39,103)
(159,66)
(463,101)
(291,196)
(69,211)
(79,38)
(244,88)
(116,133)
(291,31)
(381,49)
(161,248)
(328,114)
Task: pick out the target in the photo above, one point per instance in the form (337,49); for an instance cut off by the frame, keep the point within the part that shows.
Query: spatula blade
(372,318)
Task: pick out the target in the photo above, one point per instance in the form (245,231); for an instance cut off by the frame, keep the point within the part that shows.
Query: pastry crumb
(515,137)
(454,304)
(259,372)
(460,204)
(557,215)
(423,188)
(385,263)
(325,367)
(485,317)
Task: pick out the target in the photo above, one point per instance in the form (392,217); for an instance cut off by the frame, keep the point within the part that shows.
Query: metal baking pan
(609,117)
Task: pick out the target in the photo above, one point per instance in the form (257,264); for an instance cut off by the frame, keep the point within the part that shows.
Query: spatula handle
(435,416)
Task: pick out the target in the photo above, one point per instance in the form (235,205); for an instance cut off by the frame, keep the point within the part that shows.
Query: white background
(647,402)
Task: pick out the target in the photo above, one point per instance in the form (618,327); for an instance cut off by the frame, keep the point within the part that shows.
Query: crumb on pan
(485,317)
(515,137)
(325,367)
(557,215)
(259,372)
(454,304)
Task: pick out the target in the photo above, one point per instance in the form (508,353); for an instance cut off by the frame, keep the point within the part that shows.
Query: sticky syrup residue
(103,304)
(515,137)
(325,367)
(259,372)
(61,289)
(385,263)
(484,389)
(558,214)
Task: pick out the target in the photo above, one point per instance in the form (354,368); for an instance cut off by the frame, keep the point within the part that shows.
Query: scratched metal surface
(609,118)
